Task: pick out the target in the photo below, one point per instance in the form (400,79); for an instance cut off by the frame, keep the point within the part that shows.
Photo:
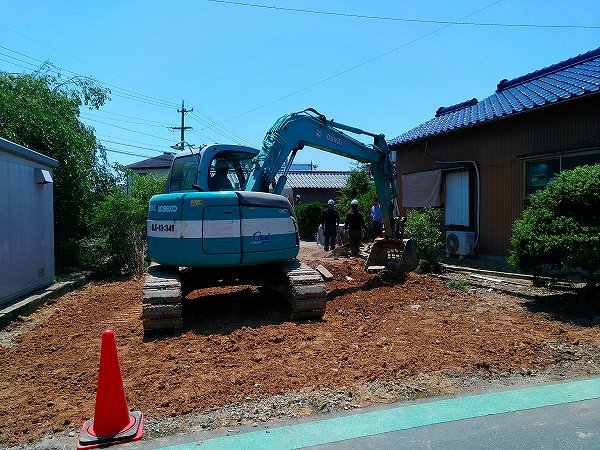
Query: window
(541,172)
(570,162)
(184,173)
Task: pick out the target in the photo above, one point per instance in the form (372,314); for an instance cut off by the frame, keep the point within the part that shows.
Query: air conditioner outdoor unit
(460,242)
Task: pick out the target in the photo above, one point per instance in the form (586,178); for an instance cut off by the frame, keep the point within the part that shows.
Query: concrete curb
(30,304)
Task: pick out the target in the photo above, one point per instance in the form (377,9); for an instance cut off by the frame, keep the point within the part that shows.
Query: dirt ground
(238,360)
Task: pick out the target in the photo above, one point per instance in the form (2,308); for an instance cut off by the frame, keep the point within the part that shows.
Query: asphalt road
(554,416)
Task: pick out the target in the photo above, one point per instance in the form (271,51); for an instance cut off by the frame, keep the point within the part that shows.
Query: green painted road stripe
(368,424)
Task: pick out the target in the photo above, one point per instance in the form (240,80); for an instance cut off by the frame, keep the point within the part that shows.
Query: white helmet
(354,202)
(330,202)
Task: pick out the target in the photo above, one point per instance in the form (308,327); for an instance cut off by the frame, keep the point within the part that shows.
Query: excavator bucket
(394,255)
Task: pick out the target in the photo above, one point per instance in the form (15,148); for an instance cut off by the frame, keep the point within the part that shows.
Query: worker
(330,220)
(219,181)
(376,219)
(355,224)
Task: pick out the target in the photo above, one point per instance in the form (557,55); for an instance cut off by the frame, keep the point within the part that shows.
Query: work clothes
(376,221)
(354,224)
(330,220)
(220,182)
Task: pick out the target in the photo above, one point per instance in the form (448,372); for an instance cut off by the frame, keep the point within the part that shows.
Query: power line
(404,19)
(106,136)
(122,152)
(362,63)
(203,136)
(129,129)
(133,117)
(120,92)
(229,134)
(90,116)
(131,145)
(116,91)
(223,131)
(15,64)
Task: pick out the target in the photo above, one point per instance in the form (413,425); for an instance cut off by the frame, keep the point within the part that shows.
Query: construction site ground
(239,361)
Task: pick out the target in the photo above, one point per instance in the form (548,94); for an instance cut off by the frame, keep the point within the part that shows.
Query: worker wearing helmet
(219,181)
(330,220)
(376,219)
(355,224)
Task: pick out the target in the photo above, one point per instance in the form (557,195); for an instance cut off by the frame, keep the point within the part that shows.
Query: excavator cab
(213,168)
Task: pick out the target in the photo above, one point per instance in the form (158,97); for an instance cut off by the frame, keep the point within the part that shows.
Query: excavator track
(161,300)
(301,287)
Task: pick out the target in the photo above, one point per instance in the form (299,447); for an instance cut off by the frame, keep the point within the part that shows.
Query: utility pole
(181,144)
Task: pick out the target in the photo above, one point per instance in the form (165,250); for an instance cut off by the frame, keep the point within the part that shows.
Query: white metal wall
(26,228)
(457,198)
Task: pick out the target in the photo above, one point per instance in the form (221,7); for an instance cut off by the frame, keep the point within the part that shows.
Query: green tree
(423,228)
(359,186)
(118,245)
(560,229)
(309,218)
(41,112)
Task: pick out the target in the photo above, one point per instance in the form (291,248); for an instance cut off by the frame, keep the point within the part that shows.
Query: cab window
(184,173)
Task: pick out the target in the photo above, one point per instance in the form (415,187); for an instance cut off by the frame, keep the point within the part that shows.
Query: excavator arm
(293,132)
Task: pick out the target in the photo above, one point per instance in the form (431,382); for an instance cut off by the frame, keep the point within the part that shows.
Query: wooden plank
(327,275)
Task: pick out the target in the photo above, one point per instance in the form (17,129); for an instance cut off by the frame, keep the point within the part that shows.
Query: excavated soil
(238,360)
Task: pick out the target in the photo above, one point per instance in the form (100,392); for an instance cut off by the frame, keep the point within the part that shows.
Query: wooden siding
(496,147)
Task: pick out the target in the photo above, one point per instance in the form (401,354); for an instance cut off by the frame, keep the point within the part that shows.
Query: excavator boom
(293,132)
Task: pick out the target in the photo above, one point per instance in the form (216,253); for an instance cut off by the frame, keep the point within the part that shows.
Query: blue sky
(242,67)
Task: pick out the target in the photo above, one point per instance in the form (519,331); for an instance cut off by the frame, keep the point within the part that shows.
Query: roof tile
(571,78)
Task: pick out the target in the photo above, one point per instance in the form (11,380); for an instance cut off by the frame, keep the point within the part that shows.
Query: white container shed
(26,221)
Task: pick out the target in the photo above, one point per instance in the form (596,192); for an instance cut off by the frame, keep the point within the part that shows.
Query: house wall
(317,195)
(497,147)
(163,172)
(26,228)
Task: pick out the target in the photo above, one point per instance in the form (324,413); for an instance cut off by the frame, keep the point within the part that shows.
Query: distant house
(479,161)
(27,221)
(159,165)
(316,185)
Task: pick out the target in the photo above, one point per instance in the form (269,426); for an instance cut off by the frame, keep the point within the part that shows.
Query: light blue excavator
(223,220)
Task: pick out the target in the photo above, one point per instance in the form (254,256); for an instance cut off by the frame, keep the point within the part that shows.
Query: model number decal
(167,228)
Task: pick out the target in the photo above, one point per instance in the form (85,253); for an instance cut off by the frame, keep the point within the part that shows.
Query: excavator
(223,221)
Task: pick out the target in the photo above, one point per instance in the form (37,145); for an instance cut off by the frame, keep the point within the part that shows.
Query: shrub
(422,227)
(561,227)
(309,218)
(461,285)
(118,244)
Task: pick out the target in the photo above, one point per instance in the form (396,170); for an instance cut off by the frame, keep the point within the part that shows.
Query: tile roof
(566,80)
(316,179)
(158,162)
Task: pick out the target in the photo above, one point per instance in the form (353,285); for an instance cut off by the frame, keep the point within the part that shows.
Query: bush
(118,244)
(422,227)
(461,285)
(561,227)
(309,218)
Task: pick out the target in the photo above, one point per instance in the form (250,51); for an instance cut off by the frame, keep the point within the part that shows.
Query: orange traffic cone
(112,422)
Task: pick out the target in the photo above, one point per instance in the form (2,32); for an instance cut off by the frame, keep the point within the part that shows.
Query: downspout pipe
(478,190)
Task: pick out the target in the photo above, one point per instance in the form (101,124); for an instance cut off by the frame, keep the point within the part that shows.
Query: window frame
(549,157)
